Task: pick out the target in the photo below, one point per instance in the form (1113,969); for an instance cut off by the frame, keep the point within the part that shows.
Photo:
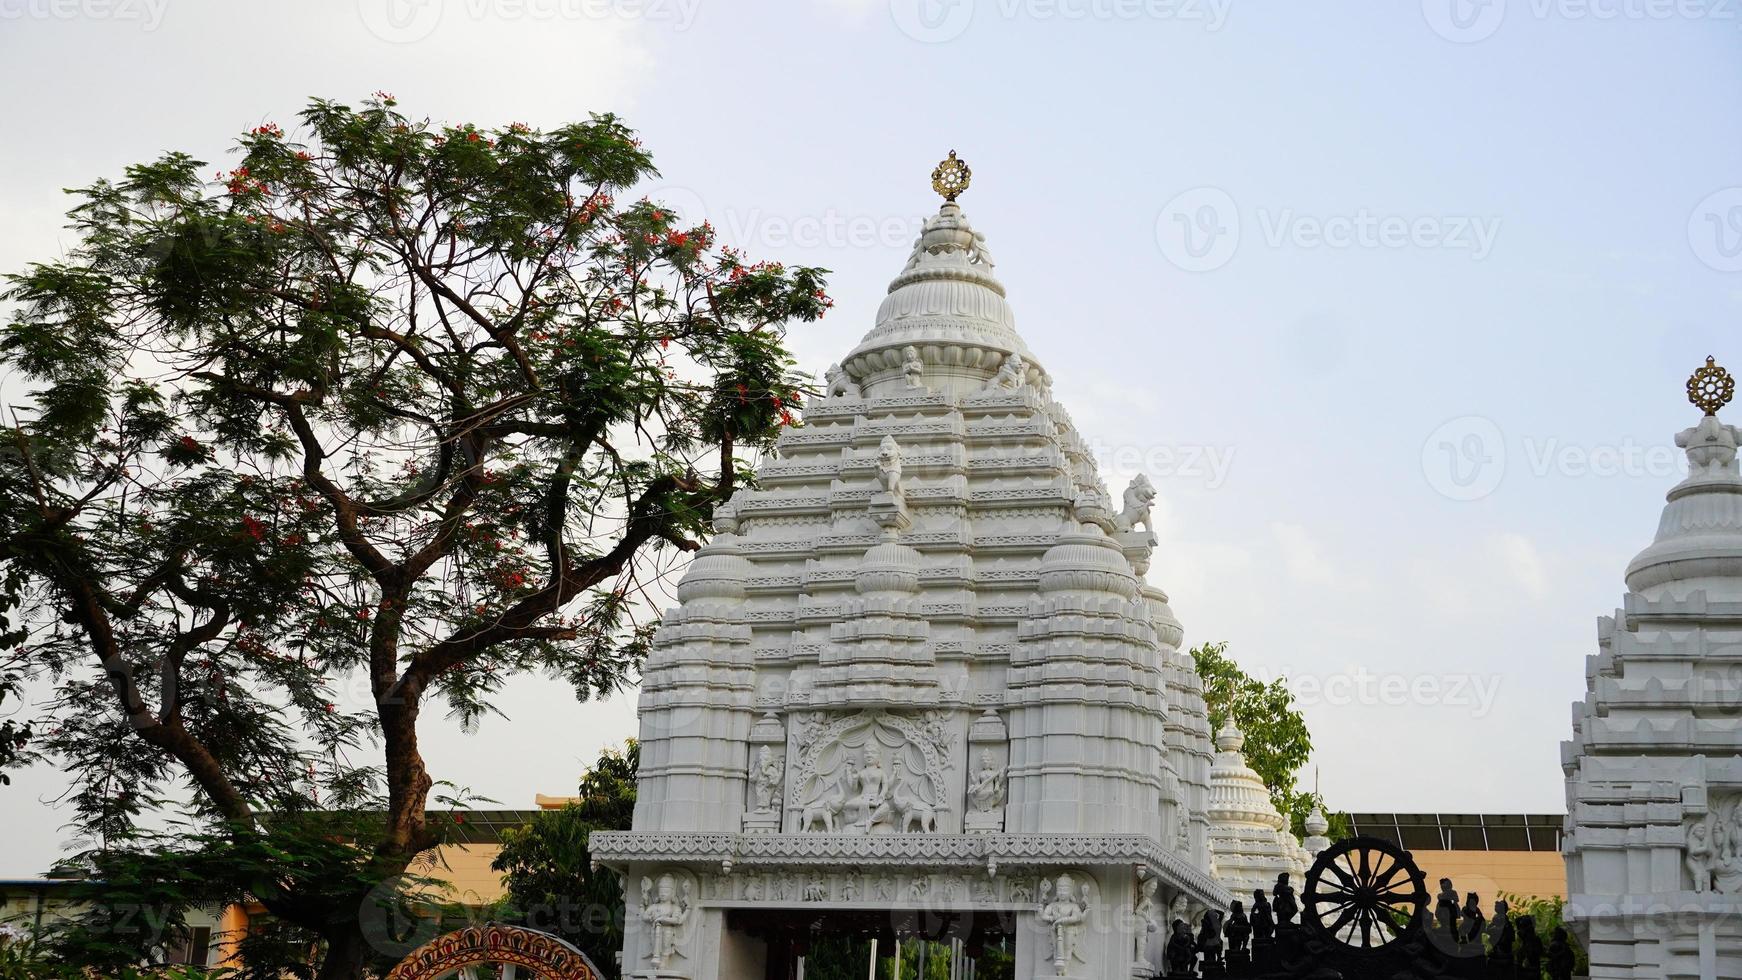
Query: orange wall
(1532,874)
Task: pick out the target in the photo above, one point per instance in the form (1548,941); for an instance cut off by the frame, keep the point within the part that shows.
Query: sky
(1394,302)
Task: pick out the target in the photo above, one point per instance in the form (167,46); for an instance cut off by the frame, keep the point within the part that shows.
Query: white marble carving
(1654,778)
(667,912)
(887,667)
(1139,500)
(1065,915)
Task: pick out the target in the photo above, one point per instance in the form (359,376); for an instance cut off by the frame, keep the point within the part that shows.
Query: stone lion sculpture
(1139,499)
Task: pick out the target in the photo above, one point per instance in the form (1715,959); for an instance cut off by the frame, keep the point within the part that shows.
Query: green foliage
(1277,741)
(548,870)
(387,411)
(29,960)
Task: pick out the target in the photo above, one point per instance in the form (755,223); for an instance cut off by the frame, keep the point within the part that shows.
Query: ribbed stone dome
(948,304)
(1699,537)
(888,567)
(1086,560)
(718,572)
(1237,792)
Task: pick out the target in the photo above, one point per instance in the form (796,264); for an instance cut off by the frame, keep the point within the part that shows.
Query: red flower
(254,528)
(188,443)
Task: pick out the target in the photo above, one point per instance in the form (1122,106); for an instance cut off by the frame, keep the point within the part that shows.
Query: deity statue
(1065,915)
(1012,374)
(1500,938)
(1263,924)
(919,889)
(1148,922)
(869,800)
(816,890)
(1446,908)
(765,779)
(850,887)
(986,791)
(1182,952)
(1239,929)
(838,385)
(1701,860)
(1139,501)
(1560,955)
(1474,920)
(667,917)
(1286,907)
(1529,948)
(889,465)
(1209,942)
(911,366)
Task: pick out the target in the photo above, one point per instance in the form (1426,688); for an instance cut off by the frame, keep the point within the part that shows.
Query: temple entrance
(883,944)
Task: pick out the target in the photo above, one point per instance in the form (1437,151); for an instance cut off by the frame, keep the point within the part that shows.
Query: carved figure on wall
(1286,906)
(914,812)
(1210,939)
(1021,890)
(885,887)
(1064,914)
(1446,908)
(1148,921)
(850,887)
(1263,924)
(919,889)
(1182,952)
(838,385)
(1139,501)
(986,790)
(839,781)
(1239,929)
(1701,861)
(1012,374)
(765,779)
(1560,955)
(666,911)
(816,890)
(753,889)
(889,465)
(912,368)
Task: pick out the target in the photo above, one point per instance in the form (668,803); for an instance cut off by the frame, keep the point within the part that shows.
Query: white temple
(917,681)
(1250,842)
(1654,768)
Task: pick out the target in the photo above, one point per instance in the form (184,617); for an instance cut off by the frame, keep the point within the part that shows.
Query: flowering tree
(409,407)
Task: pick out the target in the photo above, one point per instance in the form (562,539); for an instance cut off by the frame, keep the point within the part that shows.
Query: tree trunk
(347,954)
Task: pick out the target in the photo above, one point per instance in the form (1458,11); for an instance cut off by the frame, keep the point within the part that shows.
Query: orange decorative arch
(531,955)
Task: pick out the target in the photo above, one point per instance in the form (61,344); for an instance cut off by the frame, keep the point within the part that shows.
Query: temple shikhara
(917,682)
(1654,768)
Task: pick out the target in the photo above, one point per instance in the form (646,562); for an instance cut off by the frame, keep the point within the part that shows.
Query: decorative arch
(513,952)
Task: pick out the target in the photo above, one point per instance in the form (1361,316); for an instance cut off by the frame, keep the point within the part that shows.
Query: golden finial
(951,177)
(1711,388)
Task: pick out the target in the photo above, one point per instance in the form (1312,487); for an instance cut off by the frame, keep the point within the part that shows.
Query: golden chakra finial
(1711,388)
(951,177)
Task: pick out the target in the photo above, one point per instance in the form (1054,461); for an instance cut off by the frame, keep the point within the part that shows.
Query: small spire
(951,177)
(1711,388)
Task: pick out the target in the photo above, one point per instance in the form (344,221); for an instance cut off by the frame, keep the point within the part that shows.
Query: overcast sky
(1393,301)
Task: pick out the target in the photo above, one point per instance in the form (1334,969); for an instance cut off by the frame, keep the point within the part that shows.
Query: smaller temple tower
(1249,840)
(1654,768)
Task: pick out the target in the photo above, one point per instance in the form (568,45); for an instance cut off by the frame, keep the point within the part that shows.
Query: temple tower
(917,684)
(1654,768)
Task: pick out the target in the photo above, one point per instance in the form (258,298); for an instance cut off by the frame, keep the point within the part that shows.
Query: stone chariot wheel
(494,952)
(1364,893)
